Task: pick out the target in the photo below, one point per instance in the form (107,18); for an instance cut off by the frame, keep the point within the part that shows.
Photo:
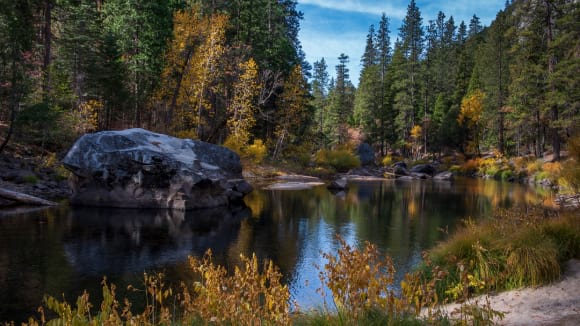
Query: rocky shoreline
(26,176)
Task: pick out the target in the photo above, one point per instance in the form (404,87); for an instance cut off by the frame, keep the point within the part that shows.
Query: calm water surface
(63,251)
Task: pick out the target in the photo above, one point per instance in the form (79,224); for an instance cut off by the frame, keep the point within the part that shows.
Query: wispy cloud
(361,6)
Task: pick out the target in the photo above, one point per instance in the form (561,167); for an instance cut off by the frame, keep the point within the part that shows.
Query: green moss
(30,179)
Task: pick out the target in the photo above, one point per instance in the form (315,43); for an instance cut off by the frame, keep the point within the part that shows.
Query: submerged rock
(444,176)
(140,168)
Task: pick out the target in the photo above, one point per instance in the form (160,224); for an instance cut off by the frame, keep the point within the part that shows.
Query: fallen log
(24,198)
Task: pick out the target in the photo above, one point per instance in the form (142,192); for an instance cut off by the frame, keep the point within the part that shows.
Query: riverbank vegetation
(516,248)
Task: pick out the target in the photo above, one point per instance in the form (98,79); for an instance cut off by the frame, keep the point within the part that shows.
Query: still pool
(63,251)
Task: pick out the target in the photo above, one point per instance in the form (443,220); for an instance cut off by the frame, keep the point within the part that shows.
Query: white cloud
(365,7)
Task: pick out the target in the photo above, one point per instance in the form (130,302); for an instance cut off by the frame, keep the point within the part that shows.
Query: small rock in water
(338,184)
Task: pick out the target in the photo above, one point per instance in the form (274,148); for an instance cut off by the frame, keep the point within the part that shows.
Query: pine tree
(493,61)
(142,29)
(341,105)
(386,115)
(319,100)
(475,26)
(367,103)
(408,97)
(16,35)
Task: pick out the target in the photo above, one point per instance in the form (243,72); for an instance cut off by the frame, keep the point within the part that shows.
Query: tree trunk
(13,99)
(551,63)
(47,33)
(24,198)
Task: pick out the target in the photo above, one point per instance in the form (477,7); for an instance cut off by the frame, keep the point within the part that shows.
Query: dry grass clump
(340,160)
(516,248)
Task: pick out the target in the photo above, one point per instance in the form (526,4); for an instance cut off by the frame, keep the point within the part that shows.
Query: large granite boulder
(140,168)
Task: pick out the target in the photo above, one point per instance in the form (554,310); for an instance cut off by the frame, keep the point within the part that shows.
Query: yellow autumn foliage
(471,109)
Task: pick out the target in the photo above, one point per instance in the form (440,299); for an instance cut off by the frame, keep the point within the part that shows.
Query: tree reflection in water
(65,250)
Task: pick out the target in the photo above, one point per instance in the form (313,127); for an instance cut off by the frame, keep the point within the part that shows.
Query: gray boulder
(424,168)
(338,184)
(444,176)
(366,154)
(418,175)
(400,170)
(140,168)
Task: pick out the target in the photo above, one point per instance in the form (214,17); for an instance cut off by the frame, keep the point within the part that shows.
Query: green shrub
(30,179)
(493,171)
(506,175)
(341,160)
(541,176)
(456,169)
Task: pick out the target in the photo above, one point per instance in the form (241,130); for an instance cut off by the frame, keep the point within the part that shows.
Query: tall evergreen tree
(475,26)
(320,85)
(16,37)
(340,105)
(493,61)
(367,102)
(386,115)
(142,29)
(412,42)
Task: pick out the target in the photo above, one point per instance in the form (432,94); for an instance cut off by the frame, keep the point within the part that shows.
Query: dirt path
(554,304)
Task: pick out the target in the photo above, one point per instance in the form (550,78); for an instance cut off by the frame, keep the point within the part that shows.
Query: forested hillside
(233,72)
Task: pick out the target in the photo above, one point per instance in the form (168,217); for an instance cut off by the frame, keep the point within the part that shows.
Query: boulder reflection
(112,241)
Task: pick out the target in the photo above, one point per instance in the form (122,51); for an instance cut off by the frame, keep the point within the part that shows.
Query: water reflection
(63,251)
(111,241)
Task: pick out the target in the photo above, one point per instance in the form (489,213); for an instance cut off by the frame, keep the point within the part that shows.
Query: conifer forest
(234,73)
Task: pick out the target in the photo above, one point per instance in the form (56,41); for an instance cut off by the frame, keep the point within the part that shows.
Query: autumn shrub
(552,170)
(235,144)
(387,160)
(256,152)
(470,167)
(359,280)
(341,160)
(248,297)
(300,155)
(533,167)
(520,163)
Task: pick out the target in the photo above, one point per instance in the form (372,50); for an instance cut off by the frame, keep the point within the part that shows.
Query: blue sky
(332,27)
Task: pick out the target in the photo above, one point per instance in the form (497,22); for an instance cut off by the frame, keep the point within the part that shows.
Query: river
(63,251)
